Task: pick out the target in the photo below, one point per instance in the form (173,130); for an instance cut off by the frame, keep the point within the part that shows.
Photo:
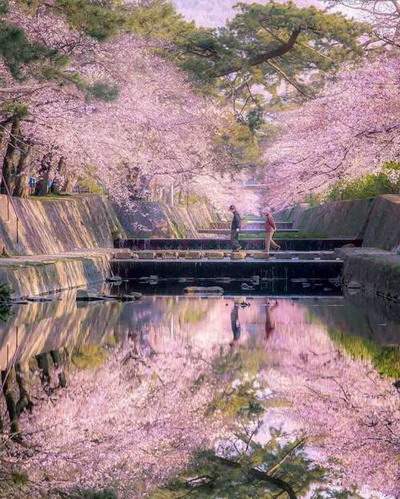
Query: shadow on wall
(56,225)
(159,219)
(374,220)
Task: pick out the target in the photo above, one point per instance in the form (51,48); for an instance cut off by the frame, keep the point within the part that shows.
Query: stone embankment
(162,220)
(375,267)
(56,243)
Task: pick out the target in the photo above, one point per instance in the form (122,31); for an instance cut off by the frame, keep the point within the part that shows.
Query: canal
(289,393)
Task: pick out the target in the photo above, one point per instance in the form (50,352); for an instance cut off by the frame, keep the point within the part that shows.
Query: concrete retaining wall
(341,218)
(56,225)
(372,271)
(383,228)
(163,220)
(34,277)
(374,220)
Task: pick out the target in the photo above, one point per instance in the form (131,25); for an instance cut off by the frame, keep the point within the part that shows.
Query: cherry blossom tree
(118,107)
(350,129)
(383,14)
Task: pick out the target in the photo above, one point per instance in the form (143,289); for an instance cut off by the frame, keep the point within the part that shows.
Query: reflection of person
(270,228)
(269,324)
(235,324)
(235,228)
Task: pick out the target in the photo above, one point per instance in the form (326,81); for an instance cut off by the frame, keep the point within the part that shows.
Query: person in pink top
(270,228)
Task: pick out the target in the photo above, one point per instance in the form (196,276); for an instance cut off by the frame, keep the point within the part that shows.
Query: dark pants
(235,240)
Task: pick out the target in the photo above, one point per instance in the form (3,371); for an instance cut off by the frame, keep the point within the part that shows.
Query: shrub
(387,181)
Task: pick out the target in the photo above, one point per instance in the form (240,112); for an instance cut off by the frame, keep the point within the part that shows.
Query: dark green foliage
(19,478)
(255,119)
(102,91)
(249,475)
(5,294)
(387,181)
(3,7)
(17,51)
(297,39)
(92,494)
(15,108)
(98,20)
(158,19)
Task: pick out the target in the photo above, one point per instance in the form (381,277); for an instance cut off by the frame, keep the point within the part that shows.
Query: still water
(172,396)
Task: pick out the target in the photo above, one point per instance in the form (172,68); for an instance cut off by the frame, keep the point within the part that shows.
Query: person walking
(270,228)
(235,228)
(235,324)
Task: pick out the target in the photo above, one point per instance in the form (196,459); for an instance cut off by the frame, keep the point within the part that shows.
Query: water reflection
(128,393)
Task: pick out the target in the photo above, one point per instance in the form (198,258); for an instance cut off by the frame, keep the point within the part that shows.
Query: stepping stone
(168,255)
(193,255)
(124,298)
(238,255)
(204,290)
(123,255)
(114,278)
(41,299)
(147,255)
(215,255)
(258,256)
(85,295)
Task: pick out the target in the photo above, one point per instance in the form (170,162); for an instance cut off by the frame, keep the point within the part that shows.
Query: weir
(306,244)
(242,269)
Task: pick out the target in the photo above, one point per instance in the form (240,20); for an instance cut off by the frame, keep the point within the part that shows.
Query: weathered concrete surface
(374,220)
(42,274)
(376,271)
(42,327)
(339,218)
(292,213)
(55,225)
(383,228)
(162,220)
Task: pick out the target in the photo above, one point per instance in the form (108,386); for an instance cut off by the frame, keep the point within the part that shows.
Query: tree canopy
(270,44)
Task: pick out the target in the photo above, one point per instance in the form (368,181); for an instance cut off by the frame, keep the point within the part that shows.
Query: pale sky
(216,12)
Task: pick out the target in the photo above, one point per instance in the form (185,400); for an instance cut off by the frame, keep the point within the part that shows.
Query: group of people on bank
(270,228)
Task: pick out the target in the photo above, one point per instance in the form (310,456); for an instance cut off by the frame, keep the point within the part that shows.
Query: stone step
(225,244)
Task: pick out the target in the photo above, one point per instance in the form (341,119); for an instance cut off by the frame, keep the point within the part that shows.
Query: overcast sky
(216,12)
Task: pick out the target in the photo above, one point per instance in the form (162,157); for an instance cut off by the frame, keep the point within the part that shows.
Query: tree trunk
(11,406)
(42,186)
(57,187)
(44,368)
(10,156)
(21,188)
(55,355)
(69,185)
(24,401)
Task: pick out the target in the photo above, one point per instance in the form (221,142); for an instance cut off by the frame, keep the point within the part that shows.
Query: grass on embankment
(385,359)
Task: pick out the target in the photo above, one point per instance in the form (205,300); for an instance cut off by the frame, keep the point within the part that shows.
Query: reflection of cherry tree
(134,417)
(351,412)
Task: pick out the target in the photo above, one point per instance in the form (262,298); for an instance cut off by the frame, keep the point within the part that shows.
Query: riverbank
(373,220)
(373,269)
(35,275)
